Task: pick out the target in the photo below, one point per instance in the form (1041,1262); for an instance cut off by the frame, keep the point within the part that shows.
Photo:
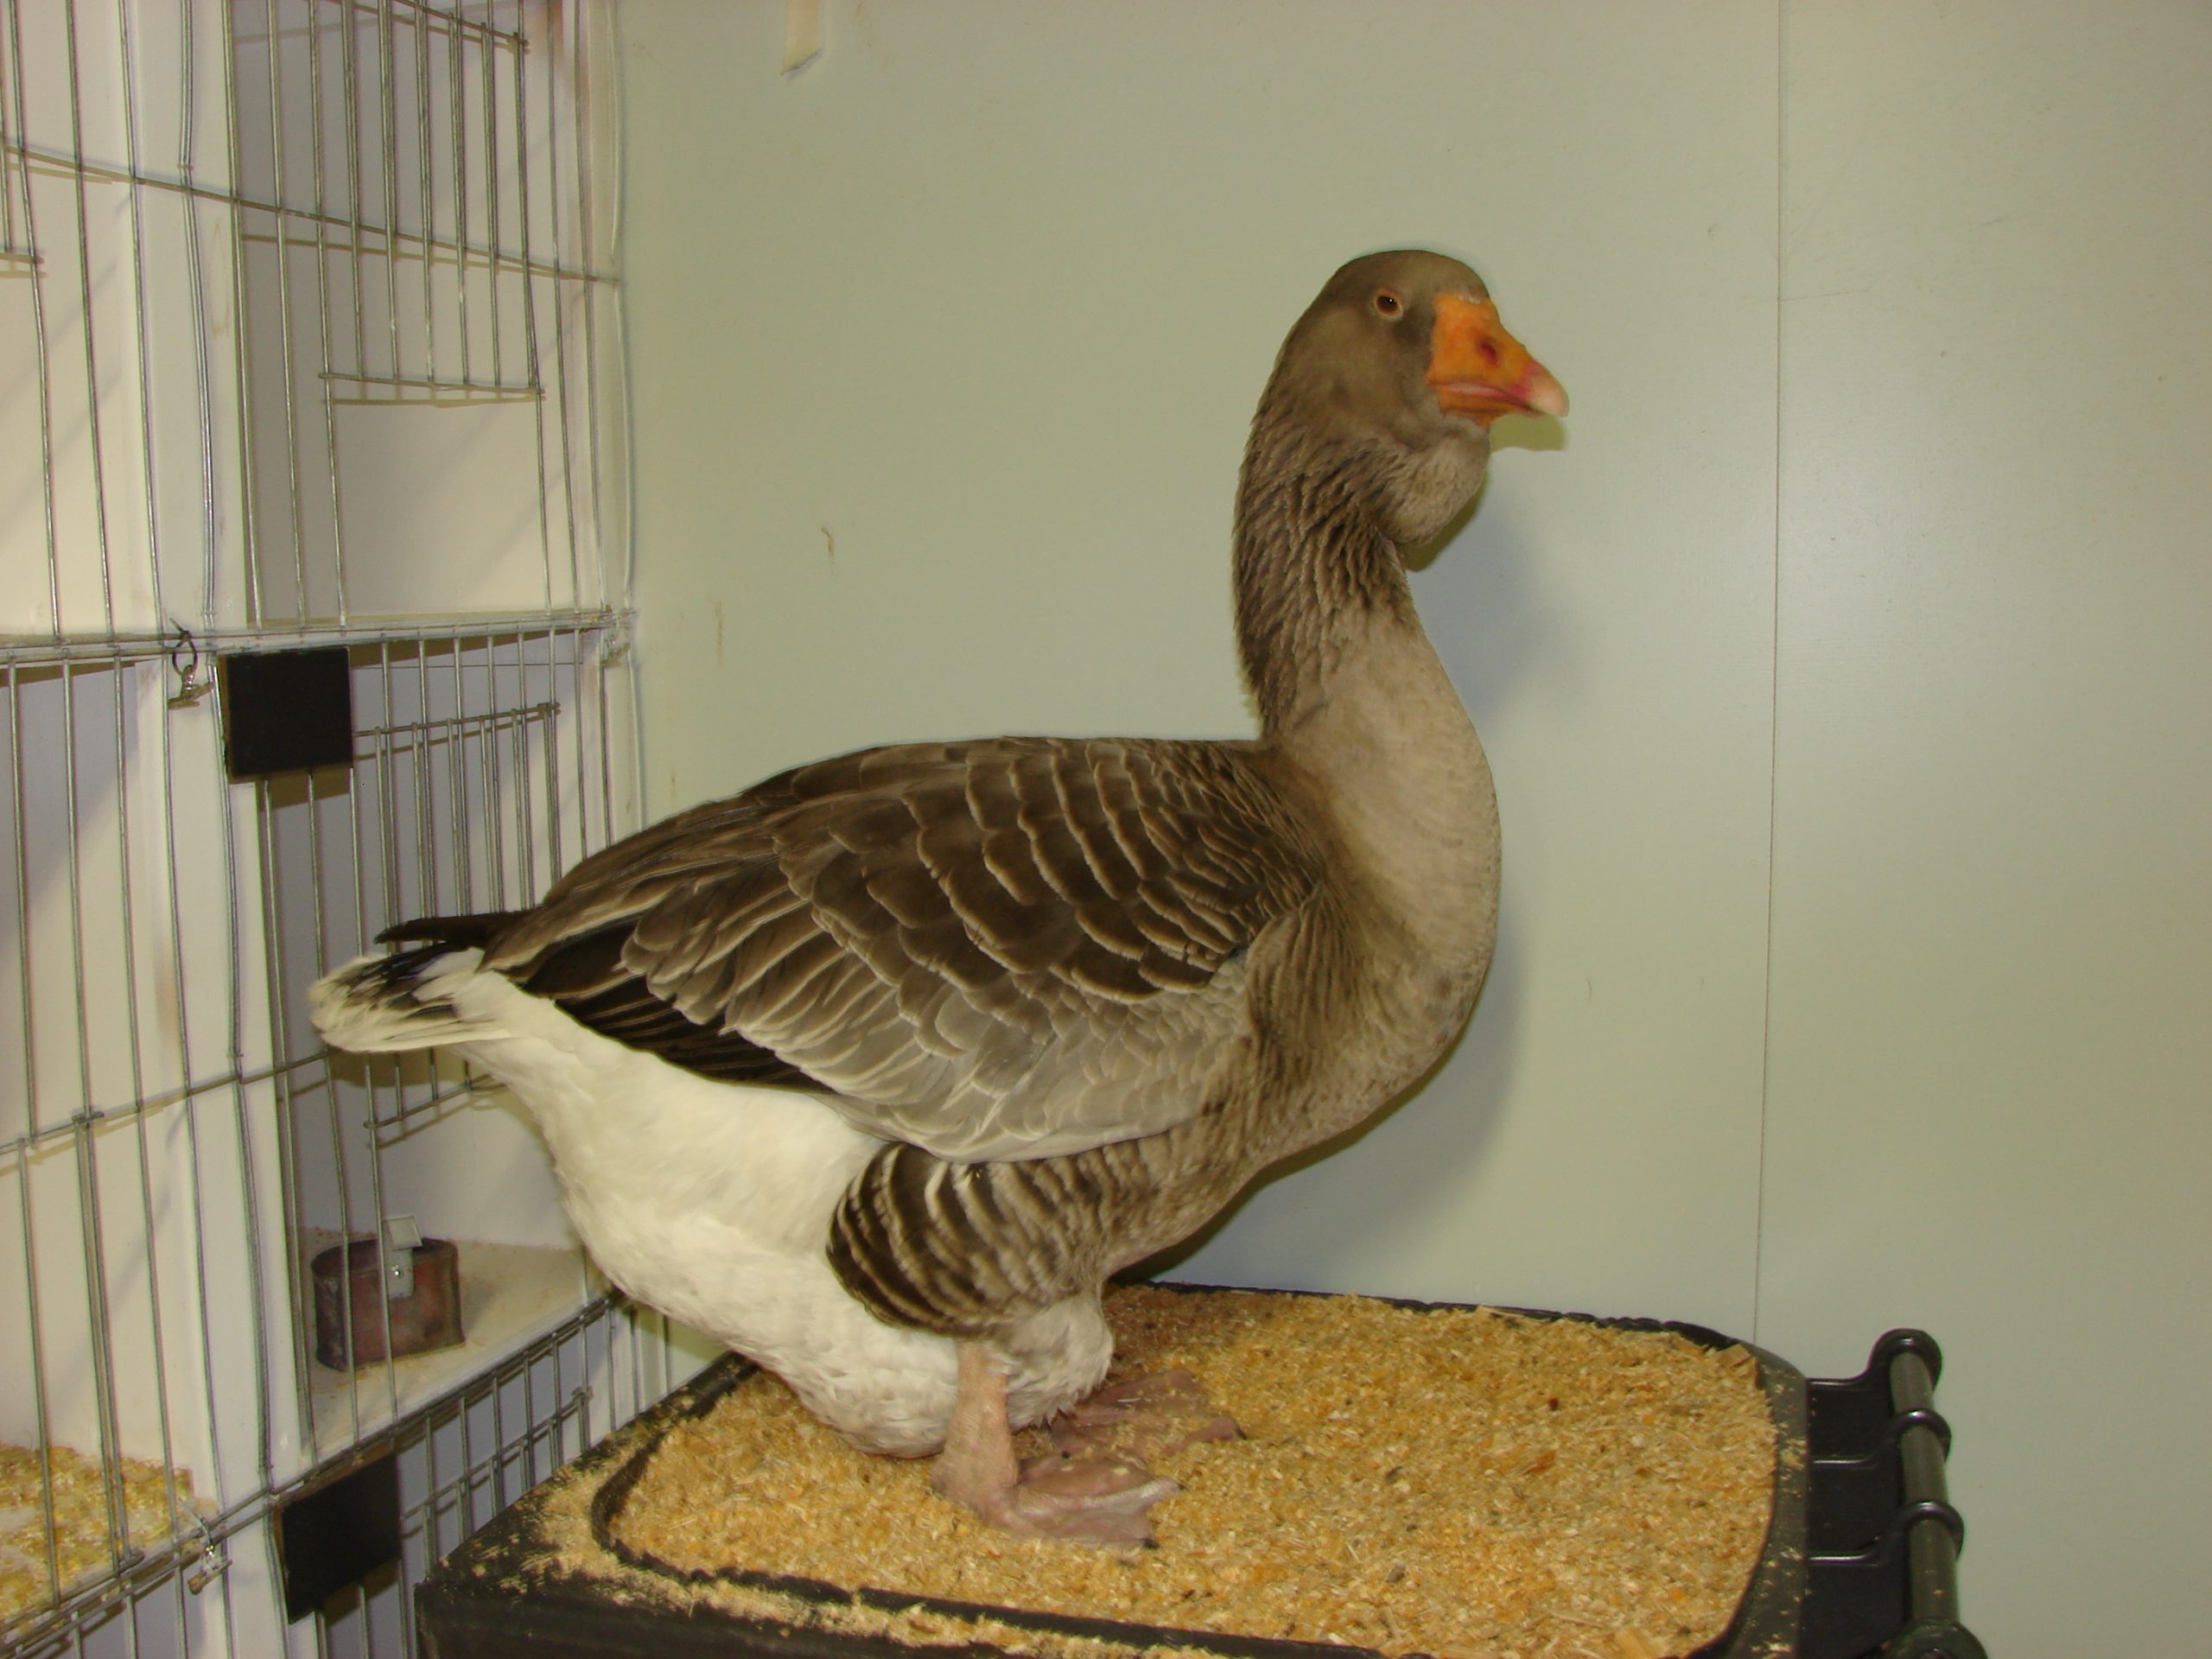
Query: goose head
(1391,379)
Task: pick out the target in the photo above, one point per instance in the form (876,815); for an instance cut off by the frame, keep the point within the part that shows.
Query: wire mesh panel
(467,1458)
(404,171)
(134,1377)
(481,767)
(306,339)
(305,305)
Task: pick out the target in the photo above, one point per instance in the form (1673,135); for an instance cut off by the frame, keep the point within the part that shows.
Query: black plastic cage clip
(286,711)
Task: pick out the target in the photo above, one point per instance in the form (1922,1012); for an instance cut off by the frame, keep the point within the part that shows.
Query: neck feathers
(1313,567)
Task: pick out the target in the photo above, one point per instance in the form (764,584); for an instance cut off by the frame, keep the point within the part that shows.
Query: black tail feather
(452,932)
(585,976)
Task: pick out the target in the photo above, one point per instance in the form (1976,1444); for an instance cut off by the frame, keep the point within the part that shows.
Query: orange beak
(1480,371)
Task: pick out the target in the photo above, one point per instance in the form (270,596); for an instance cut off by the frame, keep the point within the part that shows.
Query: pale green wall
(1844,673)
(1992,923)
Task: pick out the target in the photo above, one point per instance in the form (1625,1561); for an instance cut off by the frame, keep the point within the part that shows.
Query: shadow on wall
(1478,587)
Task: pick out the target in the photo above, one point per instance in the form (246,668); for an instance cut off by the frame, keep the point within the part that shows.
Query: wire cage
(309,343)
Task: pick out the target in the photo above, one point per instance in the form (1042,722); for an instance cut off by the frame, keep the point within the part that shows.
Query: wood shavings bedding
(1452,1481)
(81,1543)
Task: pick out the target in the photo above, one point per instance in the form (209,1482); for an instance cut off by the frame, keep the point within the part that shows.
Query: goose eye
(1388,303)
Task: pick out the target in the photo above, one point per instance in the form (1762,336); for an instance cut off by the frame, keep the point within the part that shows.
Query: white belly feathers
(711,1202)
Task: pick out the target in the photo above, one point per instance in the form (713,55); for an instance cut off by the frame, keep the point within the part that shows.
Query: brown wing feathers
(995,949)
(585,978)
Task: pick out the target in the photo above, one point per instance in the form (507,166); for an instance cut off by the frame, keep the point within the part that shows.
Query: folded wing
(1008,949)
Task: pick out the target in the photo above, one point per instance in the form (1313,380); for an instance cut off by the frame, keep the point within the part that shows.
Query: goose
(877,1071)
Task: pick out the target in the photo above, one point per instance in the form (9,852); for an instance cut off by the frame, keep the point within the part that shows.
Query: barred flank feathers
(961,1249)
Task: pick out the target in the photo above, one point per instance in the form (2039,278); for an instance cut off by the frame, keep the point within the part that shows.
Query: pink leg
(1142,1418)
(1090,1500)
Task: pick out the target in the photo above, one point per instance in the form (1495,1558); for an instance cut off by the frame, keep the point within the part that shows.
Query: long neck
(1313,570)
(1350,688)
